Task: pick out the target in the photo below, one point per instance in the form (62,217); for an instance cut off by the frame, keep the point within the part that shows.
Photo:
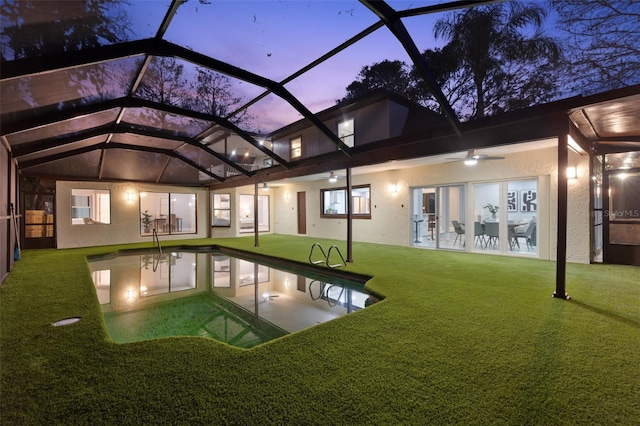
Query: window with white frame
(221,210)
(296,147)
(167,213)
(90,206)
(334,202)
(346,132)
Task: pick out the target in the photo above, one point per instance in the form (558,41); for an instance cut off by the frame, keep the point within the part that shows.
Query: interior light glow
(470,161)
(572,173)
(332,177)
(265,186)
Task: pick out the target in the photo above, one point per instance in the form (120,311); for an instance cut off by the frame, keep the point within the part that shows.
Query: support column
(349,219)
(255,216)
(563,191)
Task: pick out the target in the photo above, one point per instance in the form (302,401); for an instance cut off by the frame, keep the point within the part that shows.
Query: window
(246,213)
(167,213)
(296,147)
(221,210)
(334,202)
(90,206)
(221,271)
(515,202)
(346,131)
(246,273)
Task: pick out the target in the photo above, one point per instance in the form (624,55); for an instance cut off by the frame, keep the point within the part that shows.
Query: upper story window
(346,131)
(296,147)
(334,202)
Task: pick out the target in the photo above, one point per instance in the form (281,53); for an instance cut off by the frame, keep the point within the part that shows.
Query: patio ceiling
(104,111)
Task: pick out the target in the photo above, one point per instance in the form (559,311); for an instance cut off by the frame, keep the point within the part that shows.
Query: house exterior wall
(125,215)
(391,222)
(378,121)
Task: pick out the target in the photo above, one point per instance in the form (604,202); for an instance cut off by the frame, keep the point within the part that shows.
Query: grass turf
(459,339)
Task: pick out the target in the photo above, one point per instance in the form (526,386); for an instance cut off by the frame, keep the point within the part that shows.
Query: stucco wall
(125,215)
(391,221)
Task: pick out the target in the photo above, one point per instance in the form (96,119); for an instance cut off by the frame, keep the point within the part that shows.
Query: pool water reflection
(182,293)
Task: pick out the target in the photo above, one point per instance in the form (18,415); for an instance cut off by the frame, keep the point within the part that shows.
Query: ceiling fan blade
(490,158)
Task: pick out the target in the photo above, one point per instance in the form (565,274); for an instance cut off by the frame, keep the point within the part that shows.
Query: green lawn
(459,339)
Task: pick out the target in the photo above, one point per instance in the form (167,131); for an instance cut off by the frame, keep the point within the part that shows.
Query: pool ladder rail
(326,256)
(159,259)
(156,240)
(324,290)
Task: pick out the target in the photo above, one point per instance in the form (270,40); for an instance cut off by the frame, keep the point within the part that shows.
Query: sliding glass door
(505,216)
(450,217)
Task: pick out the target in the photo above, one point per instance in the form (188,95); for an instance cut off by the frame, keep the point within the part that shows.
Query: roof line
(392,20)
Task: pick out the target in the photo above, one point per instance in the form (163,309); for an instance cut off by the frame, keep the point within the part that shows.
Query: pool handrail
(336,265)
(324,255)
(156,239)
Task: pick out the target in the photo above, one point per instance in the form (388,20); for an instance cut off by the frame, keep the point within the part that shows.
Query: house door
(622,218)
(302,213)
(450,208)
(38,220)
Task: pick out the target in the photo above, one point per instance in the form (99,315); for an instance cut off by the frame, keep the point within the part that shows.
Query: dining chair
(492,230)
(526,234)
(459,231)
(478,232)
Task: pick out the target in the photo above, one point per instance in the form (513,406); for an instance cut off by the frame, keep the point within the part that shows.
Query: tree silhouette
(165,82)
(491,46)
(36,27)
(212,93)
(33,28)
(495,58)
(394,76)
(604,39)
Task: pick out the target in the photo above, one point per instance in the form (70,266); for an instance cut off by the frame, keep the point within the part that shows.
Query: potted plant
(146,221)
(492,209)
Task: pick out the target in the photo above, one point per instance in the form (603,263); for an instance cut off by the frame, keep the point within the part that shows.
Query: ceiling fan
(472,158)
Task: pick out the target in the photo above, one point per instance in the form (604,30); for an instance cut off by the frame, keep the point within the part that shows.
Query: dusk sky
(276,38)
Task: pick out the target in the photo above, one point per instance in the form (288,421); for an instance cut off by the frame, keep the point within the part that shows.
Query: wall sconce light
(393,188)
(130,196)
(572,173)
(332,177)
(265,186)
(286,195)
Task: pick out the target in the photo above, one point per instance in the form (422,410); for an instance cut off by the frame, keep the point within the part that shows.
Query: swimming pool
(223,295)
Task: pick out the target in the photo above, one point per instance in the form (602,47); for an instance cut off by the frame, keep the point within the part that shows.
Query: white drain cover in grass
(66,321)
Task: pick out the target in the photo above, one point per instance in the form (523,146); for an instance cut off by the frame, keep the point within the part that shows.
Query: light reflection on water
(148,295)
